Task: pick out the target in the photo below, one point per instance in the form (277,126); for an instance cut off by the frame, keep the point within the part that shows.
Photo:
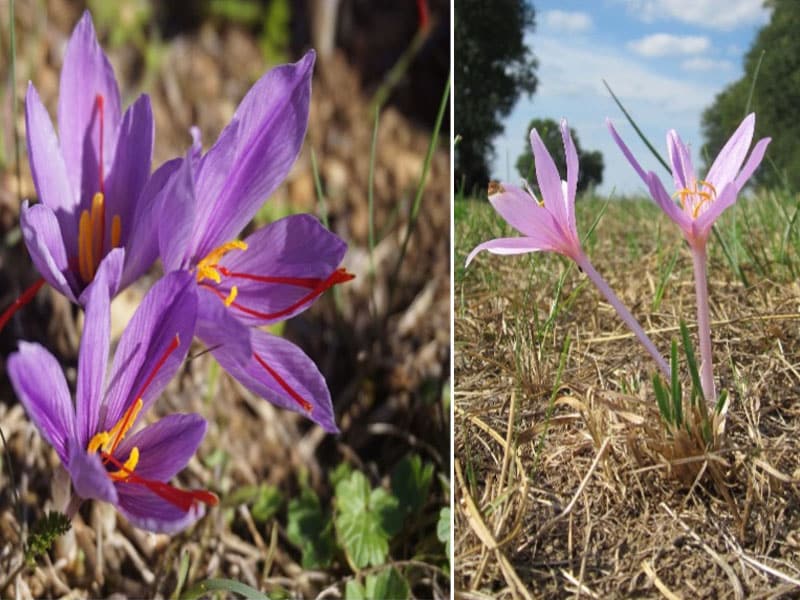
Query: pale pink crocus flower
(549,224)
(696,205)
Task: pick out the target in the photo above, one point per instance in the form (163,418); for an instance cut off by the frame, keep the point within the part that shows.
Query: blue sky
(665,59)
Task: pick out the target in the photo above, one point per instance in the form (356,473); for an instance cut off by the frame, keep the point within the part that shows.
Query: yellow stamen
(696,190)
(128,467)
(98,228)
(109,440)
(85,246)
(207,267)
(100,439)
(116,231)
(232,296)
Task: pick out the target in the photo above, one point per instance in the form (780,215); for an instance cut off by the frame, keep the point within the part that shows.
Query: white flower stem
(624,313)
(704,325)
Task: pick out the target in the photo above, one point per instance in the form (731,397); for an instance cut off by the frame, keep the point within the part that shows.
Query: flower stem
(624,313)
(704,325)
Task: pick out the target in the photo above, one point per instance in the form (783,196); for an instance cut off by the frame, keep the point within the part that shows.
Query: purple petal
(167,310)
(146,510)
(272,119)
(666,203)
(729,160)
(49,170)
(86,74)
(506,246)
(520,210)
(634,163)
(287,368)
(572,173)
(296,247)
(89,477)
(40,385)
(726,198)
(143,249)
(111,265)
(177,213)
(130,168)
(165,447)
(752,162)
(93,355)
(42,236)
(682,168)
(217,326)
(549,180)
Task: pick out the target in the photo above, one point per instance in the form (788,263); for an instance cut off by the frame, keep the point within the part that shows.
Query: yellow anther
(99,440)
(697,190)
(128,467)
(207,267)
(116,231)
(98,229)
(122,426)
(85,247)
(232,296)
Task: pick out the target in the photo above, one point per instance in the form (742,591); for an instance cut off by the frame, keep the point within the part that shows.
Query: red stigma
(423,17)
(183,499)
(100,103)
(170,349)
(304,404)
(23,299)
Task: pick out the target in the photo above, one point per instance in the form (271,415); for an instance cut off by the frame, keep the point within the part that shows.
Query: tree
(591,163)
(492,68)
(776,97)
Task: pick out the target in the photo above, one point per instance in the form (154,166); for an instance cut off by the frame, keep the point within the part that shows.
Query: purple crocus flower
(94,438)
(92,180)
(274,273)
(549,224)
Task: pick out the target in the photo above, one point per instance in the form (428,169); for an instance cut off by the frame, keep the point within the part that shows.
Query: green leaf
(223,585)
(43,533)
(692,361)
(267,503)
(662,399)
(443,529)
(411,483)
(365,520)
(389,584)
(309,529)
(342,471)
(353,590)
(677,391)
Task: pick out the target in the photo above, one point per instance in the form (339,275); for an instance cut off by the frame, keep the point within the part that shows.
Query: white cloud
(665,44)
(711,14)
(706,64)
(566,21)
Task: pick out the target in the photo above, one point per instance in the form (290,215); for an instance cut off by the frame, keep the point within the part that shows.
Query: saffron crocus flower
(95,439)
(274,273)
(92,180)
(699,203)
(549,224)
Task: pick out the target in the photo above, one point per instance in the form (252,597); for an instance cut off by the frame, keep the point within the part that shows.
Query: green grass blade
(323,206)
(662,281)
(675,388)
(223,585)
(636,128)
(697,387)
(753,85)
(662,398)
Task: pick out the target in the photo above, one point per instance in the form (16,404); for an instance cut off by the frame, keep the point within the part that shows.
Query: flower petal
(666,203)
(177,214)
(549,180)
(89,475)
(729,160)
(628,154)
(40,385)
(42,236)
(679,156)
(93,354)
(86,74)
(752,162)
(166,446)
(290,369)
(167,310)
(520,210)
(726,198)
(130,168)
(572,173)
(146,510)
(142,248)
(506,246)
(272,119)
(296,247)
(49,170)
(218,327)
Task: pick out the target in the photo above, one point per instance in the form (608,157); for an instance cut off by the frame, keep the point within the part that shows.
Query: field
(566,483)
(301,513)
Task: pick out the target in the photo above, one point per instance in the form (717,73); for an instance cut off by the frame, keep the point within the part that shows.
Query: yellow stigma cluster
(107,441)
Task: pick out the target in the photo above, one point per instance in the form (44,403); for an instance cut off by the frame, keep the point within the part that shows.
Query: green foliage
(269,19)
(265,500)
(443,529)
(43,533)
(202,589)
(411,483)
(366,519)
(494,68)
(591,163)
(310,529)
(775,98)
(387,583)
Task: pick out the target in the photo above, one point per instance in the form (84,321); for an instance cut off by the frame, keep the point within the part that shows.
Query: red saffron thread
(170,349)
(23,299)
(304,404)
